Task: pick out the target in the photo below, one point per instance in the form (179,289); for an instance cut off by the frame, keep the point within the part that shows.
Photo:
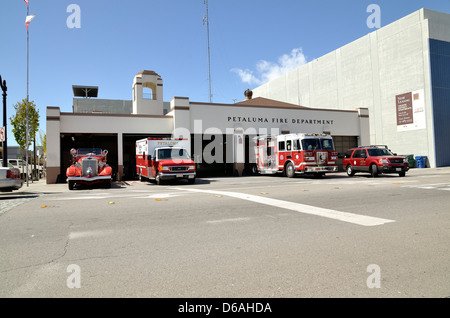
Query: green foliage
(19,122)
(43,139)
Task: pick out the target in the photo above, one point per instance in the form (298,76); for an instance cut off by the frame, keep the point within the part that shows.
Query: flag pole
(28,72)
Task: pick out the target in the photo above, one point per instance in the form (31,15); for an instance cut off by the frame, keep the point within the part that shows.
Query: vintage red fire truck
(89,167)
(159,159)
(292,154)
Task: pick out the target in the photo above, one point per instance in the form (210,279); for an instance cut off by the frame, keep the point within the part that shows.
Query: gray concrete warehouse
(400,72)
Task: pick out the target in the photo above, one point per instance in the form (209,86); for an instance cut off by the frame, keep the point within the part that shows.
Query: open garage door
(129,153)
(103,141)
(342,144)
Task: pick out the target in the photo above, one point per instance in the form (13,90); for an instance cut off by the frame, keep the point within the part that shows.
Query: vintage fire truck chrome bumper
(89,179)
(321,169)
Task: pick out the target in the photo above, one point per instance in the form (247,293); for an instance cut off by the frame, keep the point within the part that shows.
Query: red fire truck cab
(292,154)
(159,159)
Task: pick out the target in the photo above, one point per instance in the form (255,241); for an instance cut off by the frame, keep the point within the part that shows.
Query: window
(173,153)
(289,145)
(379,152)
(327,144)
(348,154)
(310,144)
(281,146)
(357,154)
(147,93)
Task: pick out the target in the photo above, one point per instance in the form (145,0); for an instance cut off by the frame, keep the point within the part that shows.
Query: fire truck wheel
(290,170)
(71,184)
(254,170)
(108,184)
(350,171)
(373,170)
(158,179)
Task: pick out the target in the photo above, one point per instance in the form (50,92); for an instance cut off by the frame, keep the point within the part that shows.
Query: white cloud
(267,71)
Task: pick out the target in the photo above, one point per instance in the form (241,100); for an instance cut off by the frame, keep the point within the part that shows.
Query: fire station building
(221,134)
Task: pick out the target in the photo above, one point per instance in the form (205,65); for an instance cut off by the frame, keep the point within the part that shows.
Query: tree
(19,123)
(43,139)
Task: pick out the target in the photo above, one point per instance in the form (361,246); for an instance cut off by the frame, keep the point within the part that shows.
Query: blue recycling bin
(421,161)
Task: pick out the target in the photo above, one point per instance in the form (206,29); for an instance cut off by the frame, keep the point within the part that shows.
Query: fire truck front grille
(396,160)
(321,158)
(89,164)
(178,169)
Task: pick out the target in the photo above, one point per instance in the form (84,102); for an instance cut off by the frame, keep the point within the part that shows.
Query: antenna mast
(206,21)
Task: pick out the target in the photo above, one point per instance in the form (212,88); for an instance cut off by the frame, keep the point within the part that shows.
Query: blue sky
(250,40)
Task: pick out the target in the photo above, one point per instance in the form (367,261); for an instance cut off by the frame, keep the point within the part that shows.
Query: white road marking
(302,208)
(160,196)
(76,235)
(228,220)
(431,186)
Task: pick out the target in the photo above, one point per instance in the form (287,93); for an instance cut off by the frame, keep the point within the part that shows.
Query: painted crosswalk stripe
(302,208)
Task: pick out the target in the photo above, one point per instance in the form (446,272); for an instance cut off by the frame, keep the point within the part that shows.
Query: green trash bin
(411,160)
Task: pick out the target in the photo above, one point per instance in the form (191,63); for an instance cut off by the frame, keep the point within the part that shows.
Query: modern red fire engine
(161,159)
(292,154)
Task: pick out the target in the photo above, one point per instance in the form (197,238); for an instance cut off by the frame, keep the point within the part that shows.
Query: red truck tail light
(12,174)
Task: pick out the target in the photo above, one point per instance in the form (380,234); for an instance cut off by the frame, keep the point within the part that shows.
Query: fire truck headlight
(384,161)
(191,167)
(163,168)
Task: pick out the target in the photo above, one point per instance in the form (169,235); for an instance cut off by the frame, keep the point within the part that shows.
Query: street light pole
(28,68)
(5,144)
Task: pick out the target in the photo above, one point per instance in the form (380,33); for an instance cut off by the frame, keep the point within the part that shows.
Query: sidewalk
(41,187)
(428,171)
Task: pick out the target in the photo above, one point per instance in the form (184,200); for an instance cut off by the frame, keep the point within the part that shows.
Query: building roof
(147,72)
(265,102)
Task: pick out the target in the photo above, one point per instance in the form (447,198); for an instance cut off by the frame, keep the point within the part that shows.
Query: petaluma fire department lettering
(240,119)
(276,120)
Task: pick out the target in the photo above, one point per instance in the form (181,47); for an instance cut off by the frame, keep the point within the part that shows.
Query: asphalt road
(262,236)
